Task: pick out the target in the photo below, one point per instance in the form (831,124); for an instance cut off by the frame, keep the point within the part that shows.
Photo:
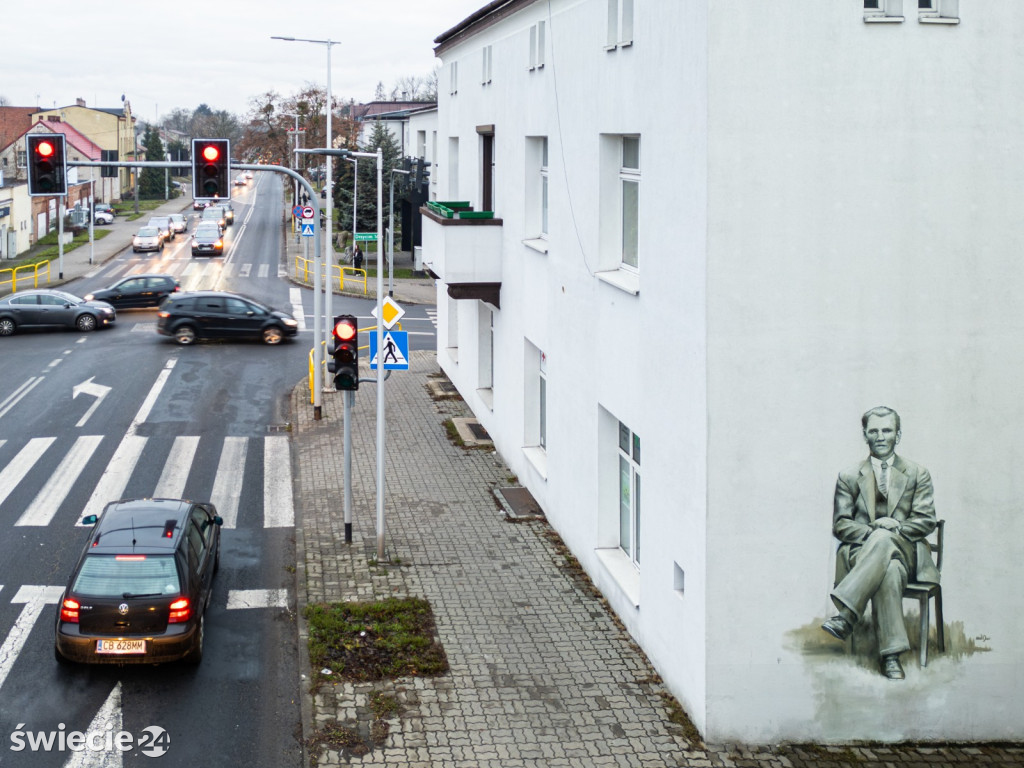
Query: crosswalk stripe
(278,507)
(172,480)
(243,271)
(295,297)
(20,465)
(115,477)
(263,270)
(227,487)
(257,598)
(48,500)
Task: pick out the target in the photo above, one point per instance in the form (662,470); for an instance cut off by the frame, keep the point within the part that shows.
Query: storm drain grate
(442,389)
(286,427)
(472,434)
(478,431)
(519,503)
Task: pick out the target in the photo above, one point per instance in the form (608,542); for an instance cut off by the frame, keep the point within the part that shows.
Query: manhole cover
(520,502)
(478,431)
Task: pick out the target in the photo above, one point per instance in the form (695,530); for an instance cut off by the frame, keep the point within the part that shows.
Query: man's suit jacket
(910,502)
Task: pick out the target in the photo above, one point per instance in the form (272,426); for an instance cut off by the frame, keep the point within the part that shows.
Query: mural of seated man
(883,511)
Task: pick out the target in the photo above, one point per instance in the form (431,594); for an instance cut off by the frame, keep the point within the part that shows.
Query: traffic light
(47,164)
(211,168)
(345,365)
(422,175)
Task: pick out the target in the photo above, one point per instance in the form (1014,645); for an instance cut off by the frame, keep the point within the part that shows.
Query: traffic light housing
(345,365)
(422,180)
(46,161)
(211,168)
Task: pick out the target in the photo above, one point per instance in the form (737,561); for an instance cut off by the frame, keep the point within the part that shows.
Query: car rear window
(117,575)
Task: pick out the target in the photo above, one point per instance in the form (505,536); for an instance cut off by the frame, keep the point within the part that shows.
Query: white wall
(827,223)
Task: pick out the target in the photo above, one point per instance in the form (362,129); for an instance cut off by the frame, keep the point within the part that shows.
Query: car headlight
(89,297)
(289,321)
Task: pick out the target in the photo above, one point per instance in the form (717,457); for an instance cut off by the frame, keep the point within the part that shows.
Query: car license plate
(120,646)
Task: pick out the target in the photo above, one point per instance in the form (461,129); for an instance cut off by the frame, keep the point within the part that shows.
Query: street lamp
(329,197)
(295,154)
(355,197)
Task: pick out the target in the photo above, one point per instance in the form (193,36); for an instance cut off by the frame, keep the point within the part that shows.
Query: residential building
(705,238)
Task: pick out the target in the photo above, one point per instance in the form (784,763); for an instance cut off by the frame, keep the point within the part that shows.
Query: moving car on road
(43,307)
(222,315)
(148,239)
(137,291)
(207,241)
(141,586)
(179,224)
(163,223)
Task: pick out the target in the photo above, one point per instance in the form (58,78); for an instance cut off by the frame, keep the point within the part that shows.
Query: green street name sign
(363,237)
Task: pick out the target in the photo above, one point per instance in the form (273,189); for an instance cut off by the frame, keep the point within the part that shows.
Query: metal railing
(40,267)
(306,267)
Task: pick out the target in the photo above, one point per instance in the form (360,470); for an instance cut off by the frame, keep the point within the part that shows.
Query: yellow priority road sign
(391,311)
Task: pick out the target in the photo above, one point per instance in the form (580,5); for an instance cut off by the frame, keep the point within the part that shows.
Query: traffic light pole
(318,321)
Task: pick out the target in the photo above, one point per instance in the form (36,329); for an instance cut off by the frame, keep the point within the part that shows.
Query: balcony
(462,248)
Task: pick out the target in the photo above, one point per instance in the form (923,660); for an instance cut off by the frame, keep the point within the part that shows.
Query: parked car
(163,223)
(103,217)
(140,589)
(179,224)
(137,291)
(222,315)
(106,207)
(207,241)
(46,307)
(148,239)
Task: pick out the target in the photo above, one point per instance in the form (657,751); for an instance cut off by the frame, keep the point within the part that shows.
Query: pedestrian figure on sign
(389,351)
(357,256)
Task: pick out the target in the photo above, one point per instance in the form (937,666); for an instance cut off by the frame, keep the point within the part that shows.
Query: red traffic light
(211,152)
(44,148)
(345,330)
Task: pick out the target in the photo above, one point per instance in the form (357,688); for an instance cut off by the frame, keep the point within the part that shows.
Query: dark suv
(222,315)
(141,587)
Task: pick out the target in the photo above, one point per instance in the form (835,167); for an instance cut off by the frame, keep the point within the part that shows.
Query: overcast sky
(189,52)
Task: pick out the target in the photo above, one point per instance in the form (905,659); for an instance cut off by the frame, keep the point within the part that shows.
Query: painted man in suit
(883,511)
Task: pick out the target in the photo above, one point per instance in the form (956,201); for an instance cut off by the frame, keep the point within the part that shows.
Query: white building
(722,232)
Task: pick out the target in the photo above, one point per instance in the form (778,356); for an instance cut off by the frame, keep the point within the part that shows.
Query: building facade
(682,247)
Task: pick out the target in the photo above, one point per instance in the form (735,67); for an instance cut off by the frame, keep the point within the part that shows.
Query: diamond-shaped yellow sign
(391,312)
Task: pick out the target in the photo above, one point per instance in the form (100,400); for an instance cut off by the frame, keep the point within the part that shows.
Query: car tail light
(180,611)
(69,610)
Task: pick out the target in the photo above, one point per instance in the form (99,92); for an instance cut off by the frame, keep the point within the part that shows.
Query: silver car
(179,223)
(148,239)
(45,307)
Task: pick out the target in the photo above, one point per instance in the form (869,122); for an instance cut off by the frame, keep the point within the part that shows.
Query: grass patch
(453,433)
(373,641)
(47,249)
(126,208)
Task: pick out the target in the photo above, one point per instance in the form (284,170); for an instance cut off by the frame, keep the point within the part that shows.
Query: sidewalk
(541,673)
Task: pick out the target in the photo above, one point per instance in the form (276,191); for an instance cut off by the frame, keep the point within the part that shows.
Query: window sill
(538,459)
(538,244)
(622,571)
(938,20)
(884,19)
(622,279)
(486,394)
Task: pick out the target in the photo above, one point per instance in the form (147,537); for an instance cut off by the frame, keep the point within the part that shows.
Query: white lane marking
(20,465)
(227,486)
(154,393)
(263,271)
(172,480)
(295,297)
(107,721)
(278,507)
(35,599)
(257,598)
(115,477)
(46,503)
(15,397)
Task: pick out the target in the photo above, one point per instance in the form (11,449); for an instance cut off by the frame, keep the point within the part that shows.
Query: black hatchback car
(141,587)
(137,291)
(222,315)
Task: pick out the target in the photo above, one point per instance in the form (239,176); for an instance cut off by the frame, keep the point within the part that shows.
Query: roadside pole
(380,366)
(349,398)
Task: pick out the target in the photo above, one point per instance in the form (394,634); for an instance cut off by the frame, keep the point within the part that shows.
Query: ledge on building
(538,244)
(487,292)
(538,459)
(622,279)
(623,572)
(938,19)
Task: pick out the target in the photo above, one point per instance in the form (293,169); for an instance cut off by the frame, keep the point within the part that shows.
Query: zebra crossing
(251,486)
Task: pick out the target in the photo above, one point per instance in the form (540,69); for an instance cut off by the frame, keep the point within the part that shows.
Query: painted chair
(924,593)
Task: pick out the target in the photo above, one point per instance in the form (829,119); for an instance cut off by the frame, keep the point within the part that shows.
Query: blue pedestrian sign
(396,351)
(308,229)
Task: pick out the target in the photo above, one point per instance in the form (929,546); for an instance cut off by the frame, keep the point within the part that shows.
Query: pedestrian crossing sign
(396,351)
(307,229)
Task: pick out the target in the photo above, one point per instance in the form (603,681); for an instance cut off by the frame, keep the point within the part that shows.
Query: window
(536,198)
(485,76)
(453,168)
(620,24)
(452,322)
(542,406)
(537,46)
(629,178)
(535,407)
(20,159)
(883,10)
(453,78)
(938,11)
(629,493)
(485,348)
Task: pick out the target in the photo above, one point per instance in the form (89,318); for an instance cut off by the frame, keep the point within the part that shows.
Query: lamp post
(355,197)
(391,231)
(295,156)
(329,197)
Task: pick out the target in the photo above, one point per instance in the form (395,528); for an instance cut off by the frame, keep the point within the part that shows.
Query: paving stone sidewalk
(542,674)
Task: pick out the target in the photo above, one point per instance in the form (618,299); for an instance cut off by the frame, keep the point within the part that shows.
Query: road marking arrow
(89,387)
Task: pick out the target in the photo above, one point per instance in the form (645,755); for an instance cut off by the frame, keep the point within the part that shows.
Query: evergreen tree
(151,181)
(367,183)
